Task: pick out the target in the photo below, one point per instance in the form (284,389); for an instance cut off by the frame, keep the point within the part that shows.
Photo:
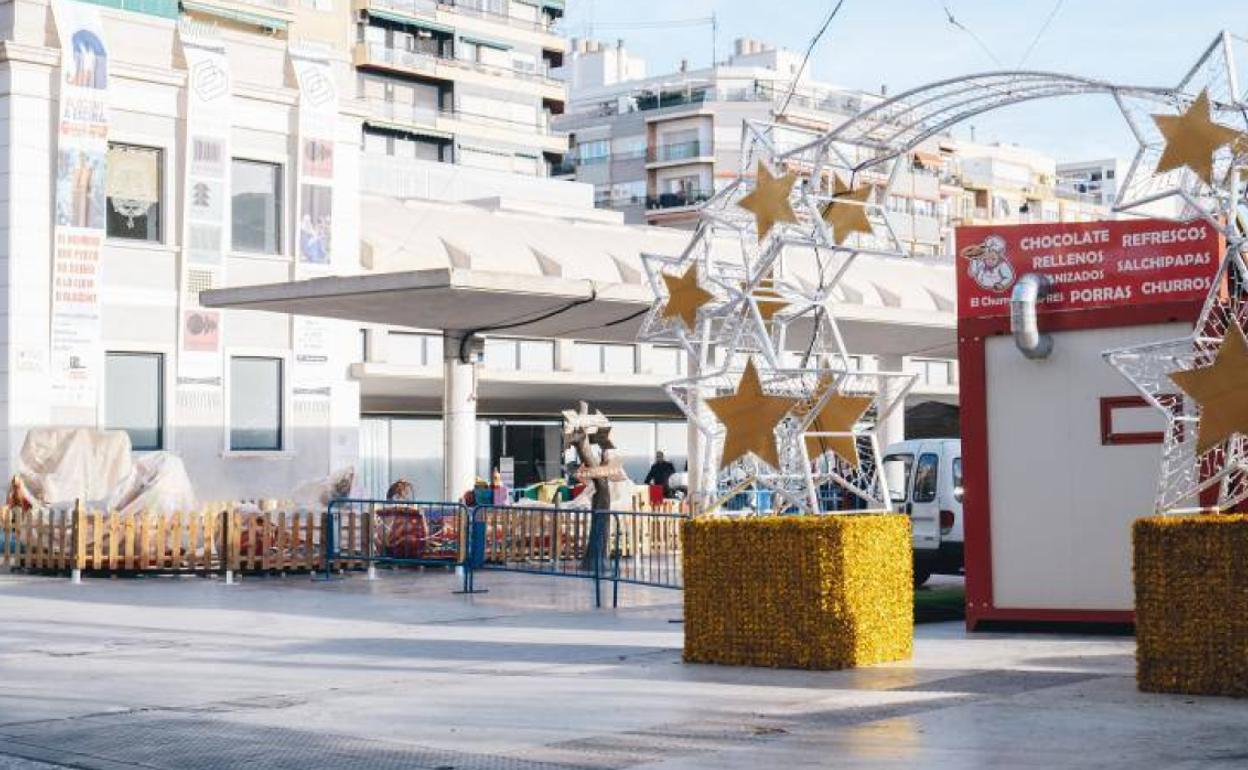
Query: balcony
(534,133)
(481,9)
(415,62)
(416,9)
(677,200)
(265,14)
(433,61)
(674,154)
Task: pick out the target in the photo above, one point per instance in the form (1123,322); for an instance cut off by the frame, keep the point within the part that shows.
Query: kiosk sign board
(1091,264)
(1060,456)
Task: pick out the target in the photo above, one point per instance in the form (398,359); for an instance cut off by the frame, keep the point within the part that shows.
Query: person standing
(660,473)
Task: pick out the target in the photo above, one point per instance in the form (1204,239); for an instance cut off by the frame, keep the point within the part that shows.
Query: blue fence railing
(402,533)
(628,547)
(640,548)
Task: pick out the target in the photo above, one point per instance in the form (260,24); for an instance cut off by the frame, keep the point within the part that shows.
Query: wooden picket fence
(207,541)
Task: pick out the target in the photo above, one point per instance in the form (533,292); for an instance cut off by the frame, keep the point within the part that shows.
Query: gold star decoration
(750,417)
(769,200)
(684,297)
(1221,391)
(1193,138)
(847,214)
(838,415)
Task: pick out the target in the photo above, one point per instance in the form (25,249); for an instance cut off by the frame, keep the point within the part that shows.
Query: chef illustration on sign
(988,265)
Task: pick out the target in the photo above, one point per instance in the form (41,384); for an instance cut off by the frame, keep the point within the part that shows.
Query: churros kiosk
(1059,455)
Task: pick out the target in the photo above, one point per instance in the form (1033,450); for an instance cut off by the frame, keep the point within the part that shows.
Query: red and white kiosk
(1060,456)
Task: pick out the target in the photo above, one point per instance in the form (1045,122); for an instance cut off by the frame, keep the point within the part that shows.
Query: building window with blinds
(134,187)
(257,206)
(134,398)
(256,404)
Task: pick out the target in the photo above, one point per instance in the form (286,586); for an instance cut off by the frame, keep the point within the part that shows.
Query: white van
(925,481)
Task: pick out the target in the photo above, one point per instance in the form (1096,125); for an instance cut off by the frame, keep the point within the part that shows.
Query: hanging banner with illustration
(205,185)
(318,114)
(82,152)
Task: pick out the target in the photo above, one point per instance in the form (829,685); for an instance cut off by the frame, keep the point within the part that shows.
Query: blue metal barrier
(616,546)
(401,533)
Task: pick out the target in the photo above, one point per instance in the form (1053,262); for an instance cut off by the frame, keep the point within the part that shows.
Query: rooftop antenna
(714,39)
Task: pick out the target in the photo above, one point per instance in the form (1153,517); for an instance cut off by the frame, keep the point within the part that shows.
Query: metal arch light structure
(869,145)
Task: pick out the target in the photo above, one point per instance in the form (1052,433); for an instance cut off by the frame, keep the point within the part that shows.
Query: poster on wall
(206,212)
(311,356)
(318,114)
(82,153)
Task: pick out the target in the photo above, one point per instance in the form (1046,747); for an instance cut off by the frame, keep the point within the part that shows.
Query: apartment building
(656,146)
(466,82)
(153,149)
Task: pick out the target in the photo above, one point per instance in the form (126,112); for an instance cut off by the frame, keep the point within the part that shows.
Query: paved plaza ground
(402,673)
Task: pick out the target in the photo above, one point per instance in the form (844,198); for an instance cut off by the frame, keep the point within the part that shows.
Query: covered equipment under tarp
(61,466)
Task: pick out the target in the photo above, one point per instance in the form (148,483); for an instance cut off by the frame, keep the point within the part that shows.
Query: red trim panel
(1110,437)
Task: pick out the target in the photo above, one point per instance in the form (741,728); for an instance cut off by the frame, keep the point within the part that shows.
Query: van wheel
(921,573)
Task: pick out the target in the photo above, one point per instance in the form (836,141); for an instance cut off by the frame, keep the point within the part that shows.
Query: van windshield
(897,472)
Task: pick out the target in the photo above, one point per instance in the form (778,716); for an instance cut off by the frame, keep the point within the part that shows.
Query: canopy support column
(892,428)
(459,416)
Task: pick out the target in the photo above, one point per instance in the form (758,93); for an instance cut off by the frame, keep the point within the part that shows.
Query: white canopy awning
(520,270)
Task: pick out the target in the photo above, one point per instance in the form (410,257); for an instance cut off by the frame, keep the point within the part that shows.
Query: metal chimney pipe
(1024,325)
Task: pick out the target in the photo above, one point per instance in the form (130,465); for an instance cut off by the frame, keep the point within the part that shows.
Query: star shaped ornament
(1193,138)
(769,200)
(750,417)
(1221,391)
(684,297)
(846,214)
(837,416)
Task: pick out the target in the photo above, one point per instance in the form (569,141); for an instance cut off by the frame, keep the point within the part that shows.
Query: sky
(903,44)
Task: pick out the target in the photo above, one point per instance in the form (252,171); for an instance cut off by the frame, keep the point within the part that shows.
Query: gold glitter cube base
(1191,604)
(812,592)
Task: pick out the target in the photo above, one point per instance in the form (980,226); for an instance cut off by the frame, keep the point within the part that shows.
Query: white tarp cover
(318,493)
(157,483)
(60,466)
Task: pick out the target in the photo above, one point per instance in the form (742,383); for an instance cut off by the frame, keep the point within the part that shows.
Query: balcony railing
(424,115)
(426,58)
(481,9)
(675,152)
(676,200)
(423,8)
(396,57)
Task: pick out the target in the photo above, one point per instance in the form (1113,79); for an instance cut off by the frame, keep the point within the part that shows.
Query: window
(537,355)
(668,361)
(257,206)
(897,472)
(255,404)
(134,398)
(925,478)
(520,355)
(604,359)
(957,479)
(134,185)
(412,349)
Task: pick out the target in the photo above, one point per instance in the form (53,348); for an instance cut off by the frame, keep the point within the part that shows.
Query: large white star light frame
(763,311)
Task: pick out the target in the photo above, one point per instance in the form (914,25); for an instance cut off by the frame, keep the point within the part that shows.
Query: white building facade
(149,154)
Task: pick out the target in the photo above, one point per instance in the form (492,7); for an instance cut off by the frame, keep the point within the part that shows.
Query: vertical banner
(78,235)
(318,121)
(206,210)
(318,116)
